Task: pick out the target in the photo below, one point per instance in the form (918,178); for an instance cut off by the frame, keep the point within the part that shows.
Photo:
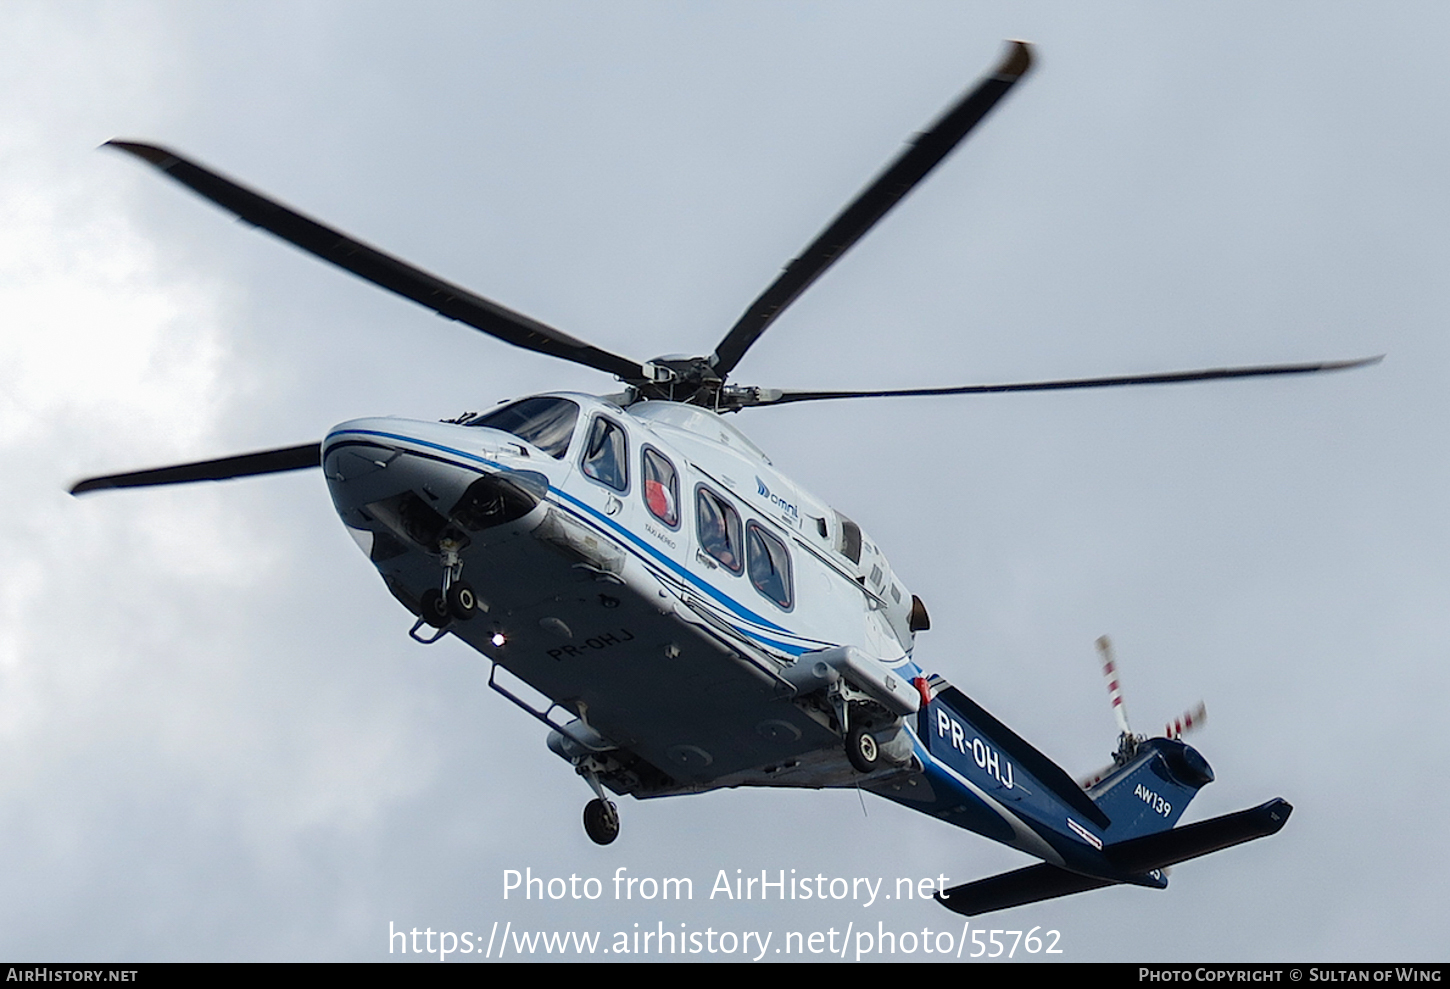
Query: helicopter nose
(350,463)
(379,468)
(355,459)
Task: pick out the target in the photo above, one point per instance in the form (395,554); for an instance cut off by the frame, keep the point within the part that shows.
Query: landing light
(498,639)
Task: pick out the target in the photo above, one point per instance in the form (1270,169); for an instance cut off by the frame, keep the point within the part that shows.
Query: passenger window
(769,565)
(719,527)
(605,456)
(661,488)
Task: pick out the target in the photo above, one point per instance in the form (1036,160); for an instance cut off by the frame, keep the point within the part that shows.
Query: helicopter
(679,614)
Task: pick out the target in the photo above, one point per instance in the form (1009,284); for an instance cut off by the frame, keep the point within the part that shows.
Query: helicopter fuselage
(652,574)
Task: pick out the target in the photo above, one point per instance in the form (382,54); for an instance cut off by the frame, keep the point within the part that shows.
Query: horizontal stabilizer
(1165,848)
(1013,889)
(1136,856)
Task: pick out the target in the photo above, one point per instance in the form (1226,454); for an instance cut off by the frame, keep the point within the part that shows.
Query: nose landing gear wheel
(601,821)
(435,609)
(862,750)
(461,602)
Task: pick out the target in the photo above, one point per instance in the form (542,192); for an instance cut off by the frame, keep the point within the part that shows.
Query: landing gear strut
(601,817)
(456,600)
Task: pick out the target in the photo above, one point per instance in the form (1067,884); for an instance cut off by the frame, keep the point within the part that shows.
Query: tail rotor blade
(1187,721)
(1115,690)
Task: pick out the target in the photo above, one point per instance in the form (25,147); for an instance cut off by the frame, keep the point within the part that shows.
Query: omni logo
(784,506)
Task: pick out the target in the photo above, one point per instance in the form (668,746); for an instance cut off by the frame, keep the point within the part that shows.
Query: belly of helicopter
(613,635)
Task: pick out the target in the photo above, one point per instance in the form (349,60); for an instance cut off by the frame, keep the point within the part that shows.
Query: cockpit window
(718,524)
(661,488)
(850,540)
(606,457)
(769,565)
(547,423)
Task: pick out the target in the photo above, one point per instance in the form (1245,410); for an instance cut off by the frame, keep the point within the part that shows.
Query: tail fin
(1150,792)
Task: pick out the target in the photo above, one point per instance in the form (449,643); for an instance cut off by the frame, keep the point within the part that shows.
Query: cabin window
(661,488)
(718,524)
(605,455)
(769,565)
(547,423)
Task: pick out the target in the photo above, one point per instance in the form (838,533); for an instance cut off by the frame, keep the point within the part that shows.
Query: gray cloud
(220,743)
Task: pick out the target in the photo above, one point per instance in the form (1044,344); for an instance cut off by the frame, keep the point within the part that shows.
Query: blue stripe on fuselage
(603,521)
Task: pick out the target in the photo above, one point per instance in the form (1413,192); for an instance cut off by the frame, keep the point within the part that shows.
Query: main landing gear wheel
(434,607)
(862,750)
(601,821)
(461,602)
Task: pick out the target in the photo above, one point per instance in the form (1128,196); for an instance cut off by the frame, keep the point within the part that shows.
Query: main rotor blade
(766,396)
(384,270)
(923,154)
(246,465)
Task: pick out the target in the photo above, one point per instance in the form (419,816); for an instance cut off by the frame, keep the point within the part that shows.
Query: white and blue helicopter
(695,619)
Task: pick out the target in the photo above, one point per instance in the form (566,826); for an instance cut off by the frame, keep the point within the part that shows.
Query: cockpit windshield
(547,423)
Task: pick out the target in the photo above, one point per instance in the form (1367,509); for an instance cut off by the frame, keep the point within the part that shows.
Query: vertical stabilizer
(1151,792)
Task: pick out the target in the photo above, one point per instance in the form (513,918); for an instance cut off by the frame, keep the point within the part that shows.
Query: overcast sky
(218,741)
